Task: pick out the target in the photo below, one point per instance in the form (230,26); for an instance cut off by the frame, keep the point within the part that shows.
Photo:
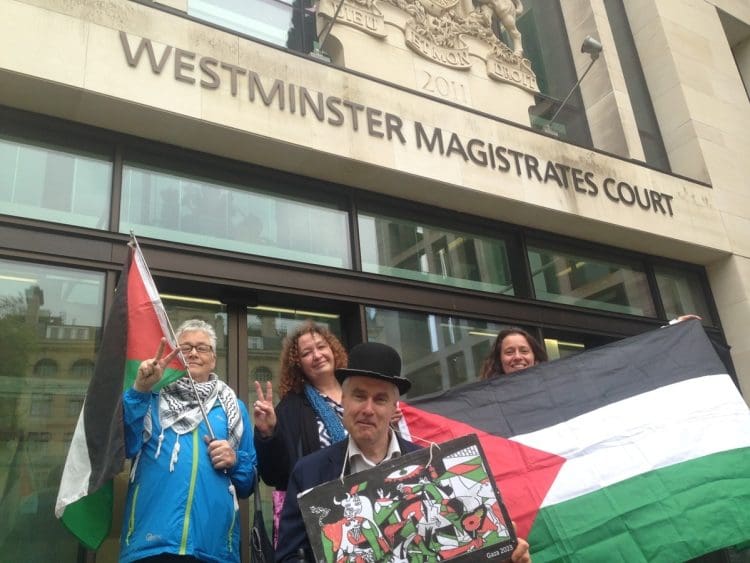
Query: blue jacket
(191,510)
(319,467)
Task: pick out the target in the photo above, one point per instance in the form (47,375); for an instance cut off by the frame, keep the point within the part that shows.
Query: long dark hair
(493,366)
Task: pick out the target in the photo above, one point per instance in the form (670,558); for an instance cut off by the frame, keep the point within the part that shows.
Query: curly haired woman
(308,416)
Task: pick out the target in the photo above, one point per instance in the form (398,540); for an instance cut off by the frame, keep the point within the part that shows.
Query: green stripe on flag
(90,518)
(634,520)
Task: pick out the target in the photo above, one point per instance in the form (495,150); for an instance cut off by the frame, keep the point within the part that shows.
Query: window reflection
(416,251)
(587,281)
(441,352)
(45,367)
(75,404)
(286,23)
(561,344)
(682,293)
(82,368)
(266,329)
(546,45)
(181,308)
(37,389)
(438,352)
(196,211)
(635,82)
(558,349)
(54,184)
(269,20)
(41,405)
(457,373)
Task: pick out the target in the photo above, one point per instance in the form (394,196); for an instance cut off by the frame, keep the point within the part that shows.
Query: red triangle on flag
(145,328)
(523,474)
(147,323)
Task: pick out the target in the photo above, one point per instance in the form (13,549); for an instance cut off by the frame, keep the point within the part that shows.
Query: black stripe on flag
(103,408)
(556,391)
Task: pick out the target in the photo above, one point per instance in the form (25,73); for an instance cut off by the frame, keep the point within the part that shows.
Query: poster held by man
(436,504)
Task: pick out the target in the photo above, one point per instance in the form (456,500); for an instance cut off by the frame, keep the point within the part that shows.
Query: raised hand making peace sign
(264,415)
(151,371)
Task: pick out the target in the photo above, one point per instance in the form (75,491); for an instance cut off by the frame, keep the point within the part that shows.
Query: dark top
(295,436)
(320,467)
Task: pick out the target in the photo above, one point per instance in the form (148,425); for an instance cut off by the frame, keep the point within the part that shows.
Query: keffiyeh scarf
(179,410)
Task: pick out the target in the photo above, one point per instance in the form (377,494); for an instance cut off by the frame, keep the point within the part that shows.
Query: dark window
(585,280)
(46,368)
(682,292)
(83,369)
(438,351)
(546,45)
(645,118)
(425,252)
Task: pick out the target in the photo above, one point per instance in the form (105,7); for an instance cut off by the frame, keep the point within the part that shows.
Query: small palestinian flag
(636,451)
(135,325)
(147,324)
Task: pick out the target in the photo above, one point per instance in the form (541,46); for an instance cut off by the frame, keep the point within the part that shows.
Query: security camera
(591,46)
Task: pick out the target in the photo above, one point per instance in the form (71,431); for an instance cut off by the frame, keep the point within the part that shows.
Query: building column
(706,129)
(730,283)
(603,91)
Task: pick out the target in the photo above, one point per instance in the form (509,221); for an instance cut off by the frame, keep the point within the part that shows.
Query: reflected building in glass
(50,323)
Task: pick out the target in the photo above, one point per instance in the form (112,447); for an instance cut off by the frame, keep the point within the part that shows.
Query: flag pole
(211,434)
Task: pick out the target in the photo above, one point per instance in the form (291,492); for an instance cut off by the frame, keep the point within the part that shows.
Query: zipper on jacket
(131,518)
(191,492)
(231,530)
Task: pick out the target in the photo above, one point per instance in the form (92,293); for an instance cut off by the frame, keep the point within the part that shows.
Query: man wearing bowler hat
(371,387)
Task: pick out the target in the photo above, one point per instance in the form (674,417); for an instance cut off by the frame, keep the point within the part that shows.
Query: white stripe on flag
(74,483)
(669,425)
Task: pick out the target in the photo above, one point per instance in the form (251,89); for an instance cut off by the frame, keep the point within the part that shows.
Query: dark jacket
(295,436)
(320,467)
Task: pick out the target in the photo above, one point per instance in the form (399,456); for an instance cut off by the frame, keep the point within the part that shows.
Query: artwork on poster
(435,504)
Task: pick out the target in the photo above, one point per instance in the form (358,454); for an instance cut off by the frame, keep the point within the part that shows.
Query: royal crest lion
(506,12)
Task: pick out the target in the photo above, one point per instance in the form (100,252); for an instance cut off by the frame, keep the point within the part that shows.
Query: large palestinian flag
(636,451)
(134,327)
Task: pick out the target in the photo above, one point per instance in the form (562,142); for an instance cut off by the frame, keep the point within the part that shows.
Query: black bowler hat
(373,359)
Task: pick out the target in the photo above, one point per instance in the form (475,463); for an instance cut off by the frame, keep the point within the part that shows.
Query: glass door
(266,329)
(50,319)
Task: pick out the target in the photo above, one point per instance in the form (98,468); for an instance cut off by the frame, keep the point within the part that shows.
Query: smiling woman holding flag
(514,350)
(193,455)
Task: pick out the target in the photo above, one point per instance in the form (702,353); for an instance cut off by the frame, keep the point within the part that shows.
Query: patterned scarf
(326,414)
(180,411)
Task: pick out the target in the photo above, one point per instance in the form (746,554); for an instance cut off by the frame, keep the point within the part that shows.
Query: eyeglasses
(200,348)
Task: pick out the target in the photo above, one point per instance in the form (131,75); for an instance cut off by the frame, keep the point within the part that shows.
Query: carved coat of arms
(439,31)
